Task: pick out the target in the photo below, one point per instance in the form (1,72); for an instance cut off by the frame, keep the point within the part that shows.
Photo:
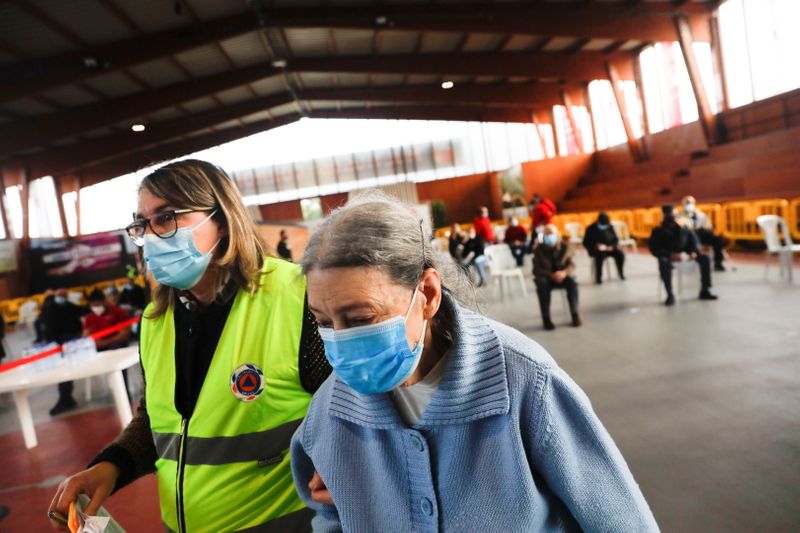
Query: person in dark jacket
(473,255)
(601,241)
(516,236)
(668,243)
(284,248)
(552,266)
(61,322)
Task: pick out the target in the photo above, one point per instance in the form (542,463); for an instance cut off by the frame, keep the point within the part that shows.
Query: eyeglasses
(163,225)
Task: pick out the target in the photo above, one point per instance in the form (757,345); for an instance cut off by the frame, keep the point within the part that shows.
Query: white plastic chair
(624,235)
(773,226)
(607,267)
(575,230)
(27,313)
(502,266)
(688,267)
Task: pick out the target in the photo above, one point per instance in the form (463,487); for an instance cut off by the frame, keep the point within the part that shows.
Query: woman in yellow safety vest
(231,356)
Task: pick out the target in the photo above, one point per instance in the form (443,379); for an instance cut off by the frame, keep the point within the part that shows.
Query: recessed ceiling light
(447,85)
(381,20)
(279,63)
(137,127)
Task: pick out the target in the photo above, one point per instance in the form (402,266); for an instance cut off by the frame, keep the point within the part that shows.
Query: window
(312,208)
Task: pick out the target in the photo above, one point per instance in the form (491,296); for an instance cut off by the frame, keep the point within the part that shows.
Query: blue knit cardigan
(509,443)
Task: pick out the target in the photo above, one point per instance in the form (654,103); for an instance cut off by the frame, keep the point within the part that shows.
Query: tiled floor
(703,399)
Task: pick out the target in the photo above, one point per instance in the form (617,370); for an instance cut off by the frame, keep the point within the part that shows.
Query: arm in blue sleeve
(582,465)
(326,519)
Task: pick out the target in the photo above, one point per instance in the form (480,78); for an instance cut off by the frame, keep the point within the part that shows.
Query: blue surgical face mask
(375,358)
(176,261)
(551,239)
(602,227)
(60,300)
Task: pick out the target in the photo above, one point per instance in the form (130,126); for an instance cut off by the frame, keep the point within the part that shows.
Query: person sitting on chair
(515,238)
(552,266)
(672,242)
(600,242)
(694,219)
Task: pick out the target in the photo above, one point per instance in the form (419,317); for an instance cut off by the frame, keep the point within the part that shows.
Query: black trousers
(665,269)
(600,258)
(716,242)
(518,251)
(545,286)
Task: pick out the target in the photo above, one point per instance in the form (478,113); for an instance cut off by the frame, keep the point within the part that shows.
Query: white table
(56,369)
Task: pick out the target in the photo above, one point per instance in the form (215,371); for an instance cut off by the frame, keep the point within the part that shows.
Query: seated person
(60,322)
(104,315)
(669,242)
(552,266)
(473,255)
(516,237)
(437,418)
(483,225)
(697,221)
(601,241)
(455,242)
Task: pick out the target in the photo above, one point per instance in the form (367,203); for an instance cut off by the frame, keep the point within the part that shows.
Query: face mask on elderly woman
(374,358)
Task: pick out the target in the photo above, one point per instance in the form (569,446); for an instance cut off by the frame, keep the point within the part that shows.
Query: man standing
(552,266)
(601,241)
(694,219)
(671,242)
(284,248)
(483,225)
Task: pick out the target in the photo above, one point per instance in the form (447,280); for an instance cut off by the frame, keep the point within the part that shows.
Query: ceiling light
(279,63)
(137,128)
(381,20)
(447,85)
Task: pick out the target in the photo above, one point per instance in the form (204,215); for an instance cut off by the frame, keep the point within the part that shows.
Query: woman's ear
(431,286)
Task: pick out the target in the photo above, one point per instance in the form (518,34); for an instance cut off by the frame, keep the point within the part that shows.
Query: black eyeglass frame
(141,224)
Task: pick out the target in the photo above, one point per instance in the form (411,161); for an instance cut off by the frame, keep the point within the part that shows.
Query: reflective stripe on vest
(233,471)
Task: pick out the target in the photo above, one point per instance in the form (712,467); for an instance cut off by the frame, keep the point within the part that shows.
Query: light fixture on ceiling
(381,20)
(447,84)
(279,63)
(137,128)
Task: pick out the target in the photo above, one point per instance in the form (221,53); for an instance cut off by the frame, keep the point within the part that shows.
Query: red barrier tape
(57,349)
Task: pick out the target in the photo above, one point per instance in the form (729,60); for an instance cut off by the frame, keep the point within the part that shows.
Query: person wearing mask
(284,248)
(601,241)
(473,255)
(60,323)
(672,242)
(483,225)
(437,418)
(697,221)
(104,314)
(516,237)
(552,269)
(231,356)
(132,297)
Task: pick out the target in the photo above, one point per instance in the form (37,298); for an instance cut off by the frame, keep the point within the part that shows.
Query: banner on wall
(67,263)
(512,187)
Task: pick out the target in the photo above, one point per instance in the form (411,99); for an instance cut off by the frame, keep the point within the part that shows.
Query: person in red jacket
(516,237)
(542,210)
(483,225)
(104,315)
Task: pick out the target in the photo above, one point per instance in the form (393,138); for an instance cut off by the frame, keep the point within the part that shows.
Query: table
(56,369)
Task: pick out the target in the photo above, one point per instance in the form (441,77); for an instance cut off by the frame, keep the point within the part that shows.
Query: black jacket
(668,239)
(594,236)
(475,245)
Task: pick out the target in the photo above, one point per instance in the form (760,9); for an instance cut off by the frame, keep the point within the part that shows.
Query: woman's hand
(319,492)
(97,482)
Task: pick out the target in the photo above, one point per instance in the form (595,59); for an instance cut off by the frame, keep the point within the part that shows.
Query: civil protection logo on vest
(247,382)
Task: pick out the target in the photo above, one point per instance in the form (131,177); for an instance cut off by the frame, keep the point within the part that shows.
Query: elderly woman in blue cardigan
(437,418)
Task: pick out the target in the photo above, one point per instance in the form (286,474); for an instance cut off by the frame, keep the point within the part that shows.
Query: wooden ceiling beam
(34,133)
(433,112)
(579,66)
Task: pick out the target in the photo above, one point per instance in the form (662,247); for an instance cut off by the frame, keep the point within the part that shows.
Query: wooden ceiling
(76,74)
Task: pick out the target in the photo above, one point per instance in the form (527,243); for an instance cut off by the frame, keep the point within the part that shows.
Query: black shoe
(598,282)
(548,324)
(719,268)
(670,300)
(576,321)
(706,295)
(64,404)
(621,276)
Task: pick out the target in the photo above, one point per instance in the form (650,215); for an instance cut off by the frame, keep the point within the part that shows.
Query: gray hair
(375,230)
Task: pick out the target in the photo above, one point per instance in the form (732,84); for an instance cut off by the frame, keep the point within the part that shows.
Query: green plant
(439,213)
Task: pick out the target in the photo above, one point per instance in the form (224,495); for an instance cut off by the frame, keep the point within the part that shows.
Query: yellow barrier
(643,222)
(716,215)
(623,215)
(794,218)
(740,217)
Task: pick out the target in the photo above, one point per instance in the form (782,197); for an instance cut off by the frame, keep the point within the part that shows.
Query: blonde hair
(200,185)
